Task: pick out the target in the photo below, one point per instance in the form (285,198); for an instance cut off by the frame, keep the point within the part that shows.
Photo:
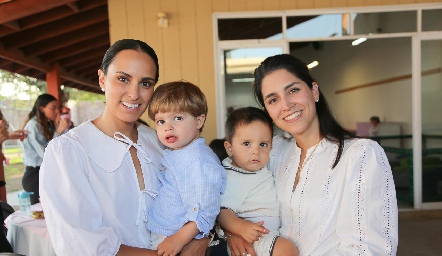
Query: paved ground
(420,233)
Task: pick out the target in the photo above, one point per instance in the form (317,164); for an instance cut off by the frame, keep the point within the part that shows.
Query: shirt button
(195,209)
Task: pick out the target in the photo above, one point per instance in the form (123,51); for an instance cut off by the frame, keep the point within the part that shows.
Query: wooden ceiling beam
(18,57)
(52,15)
(13,25)
(4,62)
(86,69)
(68,39)
(74,7)
(99,42)
(79,59)
(55,28)
(18,9)
(4,30)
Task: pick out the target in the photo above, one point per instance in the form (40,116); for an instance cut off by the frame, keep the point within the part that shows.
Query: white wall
(342,66)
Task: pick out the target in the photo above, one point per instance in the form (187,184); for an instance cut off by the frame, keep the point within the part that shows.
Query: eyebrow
(285,88)
(142,79)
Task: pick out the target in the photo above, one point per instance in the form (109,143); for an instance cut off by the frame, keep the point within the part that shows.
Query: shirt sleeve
(73,215)
(368,217)
(35,138)
(200,189)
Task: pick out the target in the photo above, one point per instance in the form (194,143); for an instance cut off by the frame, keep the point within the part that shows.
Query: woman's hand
(62,126)
(18,135)
(196,247)
(171,245)
(238,246)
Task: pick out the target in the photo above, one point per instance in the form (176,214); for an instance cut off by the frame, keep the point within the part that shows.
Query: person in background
(65,113)
(192,178)
(249,203)
(99,180)
(43,125)
(6,135)
(336,192)
(374,129)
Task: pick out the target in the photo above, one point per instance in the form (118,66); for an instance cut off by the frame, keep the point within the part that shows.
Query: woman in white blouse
(336,191)
(98,181)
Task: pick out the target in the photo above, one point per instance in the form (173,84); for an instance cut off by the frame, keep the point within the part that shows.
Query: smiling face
(50,110)
(128,85)
(177,130)
(291,103)
(250,146)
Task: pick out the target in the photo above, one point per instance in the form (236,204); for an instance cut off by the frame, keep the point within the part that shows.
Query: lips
(130,105)
(293,116)
(171,139)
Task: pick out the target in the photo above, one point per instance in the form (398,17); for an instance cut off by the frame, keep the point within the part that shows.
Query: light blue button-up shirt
(35,143)
(192,183)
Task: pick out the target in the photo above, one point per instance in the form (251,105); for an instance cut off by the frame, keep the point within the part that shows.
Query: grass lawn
(15,167)
(8,151)
(14,170)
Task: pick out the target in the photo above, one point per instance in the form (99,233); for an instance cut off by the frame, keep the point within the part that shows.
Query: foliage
(33,87)
(23,84)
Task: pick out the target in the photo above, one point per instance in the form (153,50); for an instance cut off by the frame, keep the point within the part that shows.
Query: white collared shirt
(348,210)
(90,193)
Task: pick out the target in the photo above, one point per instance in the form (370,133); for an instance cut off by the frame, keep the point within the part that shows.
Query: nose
(255,151)
(287,103)
(168,127)
(134,91)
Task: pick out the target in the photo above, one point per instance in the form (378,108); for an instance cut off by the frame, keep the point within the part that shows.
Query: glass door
(235,78)
(431,131)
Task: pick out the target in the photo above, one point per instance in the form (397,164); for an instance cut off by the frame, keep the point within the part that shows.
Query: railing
(431,168)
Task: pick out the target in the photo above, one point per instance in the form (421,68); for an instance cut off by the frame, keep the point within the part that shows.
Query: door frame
(416,100)
(221,113)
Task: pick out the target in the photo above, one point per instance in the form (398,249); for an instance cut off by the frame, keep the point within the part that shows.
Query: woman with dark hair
(42,127)
(99,180)
(336,191)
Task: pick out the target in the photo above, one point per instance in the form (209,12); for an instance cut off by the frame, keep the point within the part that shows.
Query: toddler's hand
(252,232)
(170,246)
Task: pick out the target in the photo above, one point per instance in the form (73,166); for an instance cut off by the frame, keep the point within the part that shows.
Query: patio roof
(35,35)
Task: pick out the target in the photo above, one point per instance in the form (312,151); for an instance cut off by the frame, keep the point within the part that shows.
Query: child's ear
(228,148)
(200,121)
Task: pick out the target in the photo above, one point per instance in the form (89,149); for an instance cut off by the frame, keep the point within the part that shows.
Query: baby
(249,201)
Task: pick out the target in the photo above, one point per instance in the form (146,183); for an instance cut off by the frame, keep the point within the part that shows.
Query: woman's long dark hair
(47,126)
(328,125)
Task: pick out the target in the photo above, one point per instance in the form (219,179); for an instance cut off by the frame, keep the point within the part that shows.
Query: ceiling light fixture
(358,41)
(243,80)
(313,64)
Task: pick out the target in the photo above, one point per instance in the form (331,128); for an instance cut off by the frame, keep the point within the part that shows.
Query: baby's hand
(170,246)
(252,232)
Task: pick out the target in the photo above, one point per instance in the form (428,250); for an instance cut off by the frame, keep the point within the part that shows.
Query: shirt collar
(111,156)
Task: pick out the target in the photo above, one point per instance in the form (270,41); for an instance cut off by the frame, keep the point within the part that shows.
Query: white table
(29,236)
